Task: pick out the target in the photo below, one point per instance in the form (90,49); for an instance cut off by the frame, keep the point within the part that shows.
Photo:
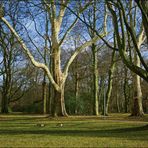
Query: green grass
(112,131)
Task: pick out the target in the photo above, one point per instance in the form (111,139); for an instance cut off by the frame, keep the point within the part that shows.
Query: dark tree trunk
(4,105)
(76,91)
(6,81)
(125,87)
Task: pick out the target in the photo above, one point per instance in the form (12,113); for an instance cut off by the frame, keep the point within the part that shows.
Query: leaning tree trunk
(110,82)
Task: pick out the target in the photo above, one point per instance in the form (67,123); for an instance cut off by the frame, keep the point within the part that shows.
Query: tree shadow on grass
(132,132)
(11,119)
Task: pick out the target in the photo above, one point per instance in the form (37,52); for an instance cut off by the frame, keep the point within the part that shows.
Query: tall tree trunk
(51,90)
(51,87)
(110,82)
(76,91)
(137,109)
(125,87)
(44,86)
(101,93)
(6,82)
(59,103)
(95,80)
(50,98)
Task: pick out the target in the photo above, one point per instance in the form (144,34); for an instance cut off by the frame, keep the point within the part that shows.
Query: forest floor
(116,130)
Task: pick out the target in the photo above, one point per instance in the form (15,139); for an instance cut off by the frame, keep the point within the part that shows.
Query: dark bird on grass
(40,125)
(59,125)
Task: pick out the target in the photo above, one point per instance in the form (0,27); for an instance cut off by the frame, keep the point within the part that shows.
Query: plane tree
(56,15)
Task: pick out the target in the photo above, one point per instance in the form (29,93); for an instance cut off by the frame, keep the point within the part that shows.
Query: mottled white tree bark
(137,108)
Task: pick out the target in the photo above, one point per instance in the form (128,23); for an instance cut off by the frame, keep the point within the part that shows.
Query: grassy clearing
(113,131)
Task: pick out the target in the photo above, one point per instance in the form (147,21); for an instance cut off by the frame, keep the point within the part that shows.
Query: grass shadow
(118,133)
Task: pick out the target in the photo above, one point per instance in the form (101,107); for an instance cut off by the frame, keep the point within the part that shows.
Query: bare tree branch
(28,53)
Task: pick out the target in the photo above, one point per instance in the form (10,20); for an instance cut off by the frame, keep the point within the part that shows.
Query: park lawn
(87,131)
